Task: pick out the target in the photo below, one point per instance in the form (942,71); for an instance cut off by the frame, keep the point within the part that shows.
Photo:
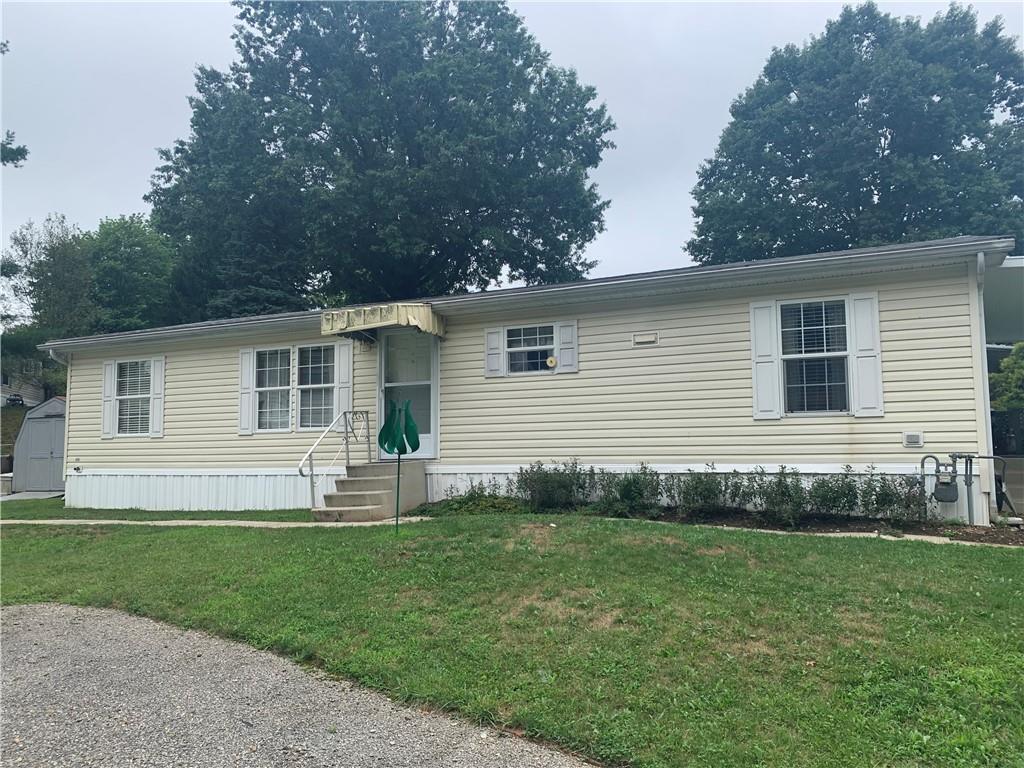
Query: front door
(408,371)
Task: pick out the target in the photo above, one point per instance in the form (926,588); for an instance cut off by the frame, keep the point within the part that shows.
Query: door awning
(362,319)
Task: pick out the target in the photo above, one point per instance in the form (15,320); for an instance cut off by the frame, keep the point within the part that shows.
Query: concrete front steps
(368,493)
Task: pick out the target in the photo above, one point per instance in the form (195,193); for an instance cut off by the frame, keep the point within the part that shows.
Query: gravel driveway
(89,687)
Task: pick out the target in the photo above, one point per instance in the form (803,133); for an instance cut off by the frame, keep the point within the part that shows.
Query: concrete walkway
(215,523)
(24,495)
(92,687)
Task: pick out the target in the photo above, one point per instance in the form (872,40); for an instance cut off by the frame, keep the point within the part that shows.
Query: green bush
(631,494)
(834,494)
(779,497)
(481,499)
(694,491)
(558,487)
(738,490)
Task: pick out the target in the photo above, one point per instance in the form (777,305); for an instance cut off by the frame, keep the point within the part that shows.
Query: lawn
(44,509)
(629,641)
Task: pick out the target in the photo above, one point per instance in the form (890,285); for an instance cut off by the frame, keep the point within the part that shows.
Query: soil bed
(733,518)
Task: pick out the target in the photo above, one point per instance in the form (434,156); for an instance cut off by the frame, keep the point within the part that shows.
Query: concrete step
(347,498)
(364,483)
(385,469)
(355,514)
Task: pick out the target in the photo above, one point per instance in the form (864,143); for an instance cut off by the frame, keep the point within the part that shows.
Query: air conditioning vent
(913,439)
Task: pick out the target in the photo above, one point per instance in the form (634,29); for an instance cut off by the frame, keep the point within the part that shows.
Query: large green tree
(11,153)
(880,130)
(362,151)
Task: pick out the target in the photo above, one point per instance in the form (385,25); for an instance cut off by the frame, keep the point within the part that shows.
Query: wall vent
(645,339)
(913,439)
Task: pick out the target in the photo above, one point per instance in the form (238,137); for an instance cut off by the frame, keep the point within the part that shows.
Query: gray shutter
(494,352)
(343,381)
(568,360)
(246,405)
(109,417)
(865,355)
(764,352)
(156,397)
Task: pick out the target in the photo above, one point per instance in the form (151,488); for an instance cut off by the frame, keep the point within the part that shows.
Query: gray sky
(94,89)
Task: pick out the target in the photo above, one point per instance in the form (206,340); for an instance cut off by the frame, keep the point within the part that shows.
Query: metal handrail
(351,419)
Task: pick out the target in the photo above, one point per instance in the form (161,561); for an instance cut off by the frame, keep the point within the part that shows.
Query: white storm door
(408,371)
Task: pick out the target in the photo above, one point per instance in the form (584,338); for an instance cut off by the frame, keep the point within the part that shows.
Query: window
(273,389)
(316,386)
(529,348)
(132,397)
(814,356)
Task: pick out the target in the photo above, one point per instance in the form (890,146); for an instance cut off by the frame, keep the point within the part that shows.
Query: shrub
(780,496)
(558,487)
(738,490)
(834,494)
(631,494)
(694,491)
(481,499)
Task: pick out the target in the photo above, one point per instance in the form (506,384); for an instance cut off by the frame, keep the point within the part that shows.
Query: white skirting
(193,489)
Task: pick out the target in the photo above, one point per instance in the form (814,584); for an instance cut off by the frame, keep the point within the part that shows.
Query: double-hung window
(273,389)
(132,397)
(300,387)
(316,386)
(815,356)
(529,347)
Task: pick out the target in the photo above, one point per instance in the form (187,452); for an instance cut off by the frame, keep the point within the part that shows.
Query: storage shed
(39,448)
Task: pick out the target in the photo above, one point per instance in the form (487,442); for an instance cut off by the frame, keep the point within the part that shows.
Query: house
(873,356)
(21,385)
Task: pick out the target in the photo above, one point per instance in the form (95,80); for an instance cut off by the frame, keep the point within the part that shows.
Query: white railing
(354,423)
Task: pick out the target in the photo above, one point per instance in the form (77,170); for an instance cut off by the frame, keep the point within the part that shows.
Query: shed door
(45,454)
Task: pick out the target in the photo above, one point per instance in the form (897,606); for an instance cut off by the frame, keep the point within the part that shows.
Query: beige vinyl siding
(689,399)
(200,410)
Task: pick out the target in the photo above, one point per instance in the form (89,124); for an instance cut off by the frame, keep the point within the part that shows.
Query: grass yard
(44,509)
(629,641)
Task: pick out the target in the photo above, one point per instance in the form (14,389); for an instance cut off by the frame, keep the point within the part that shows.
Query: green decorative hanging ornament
(398,436)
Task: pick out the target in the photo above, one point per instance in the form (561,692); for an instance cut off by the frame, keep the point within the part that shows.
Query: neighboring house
(19,384)
(873,356)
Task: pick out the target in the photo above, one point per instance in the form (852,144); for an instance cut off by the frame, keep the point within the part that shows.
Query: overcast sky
(94,89)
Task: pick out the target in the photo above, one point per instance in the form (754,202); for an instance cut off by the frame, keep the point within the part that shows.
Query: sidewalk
(215,523)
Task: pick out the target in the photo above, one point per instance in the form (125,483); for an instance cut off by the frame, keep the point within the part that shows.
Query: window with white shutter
(534,349)
(816,357)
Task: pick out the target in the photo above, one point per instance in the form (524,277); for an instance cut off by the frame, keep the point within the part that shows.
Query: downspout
(64,360)
(987,468)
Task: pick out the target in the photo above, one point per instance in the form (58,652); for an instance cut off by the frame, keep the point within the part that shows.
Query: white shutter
(343,381)
(764,353)
(494,352)
(865,355)
(109,417)
(568,360)
(246,405)
(156,397)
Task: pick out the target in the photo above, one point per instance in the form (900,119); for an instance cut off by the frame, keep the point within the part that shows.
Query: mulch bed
(996,534)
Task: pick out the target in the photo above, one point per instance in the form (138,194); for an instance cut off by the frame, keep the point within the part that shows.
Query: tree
(10,153)
(1007,384)
(131,268)
(367,151)
(878,131)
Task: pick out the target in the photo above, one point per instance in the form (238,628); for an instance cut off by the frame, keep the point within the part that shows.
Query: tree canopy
(11,153)
(364,151)
(1007,384)
(879,131)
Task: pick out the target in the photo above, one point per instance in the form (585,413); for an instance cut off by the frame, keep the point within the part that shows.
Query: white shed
(39,448)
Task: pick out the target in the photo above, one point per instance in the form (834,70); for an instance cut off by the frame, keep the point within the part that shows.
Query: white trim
(983,404)
(435,394)
(785,413)
(218,471)
(256,390)
(556,348)
(116,433)
(440,468)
